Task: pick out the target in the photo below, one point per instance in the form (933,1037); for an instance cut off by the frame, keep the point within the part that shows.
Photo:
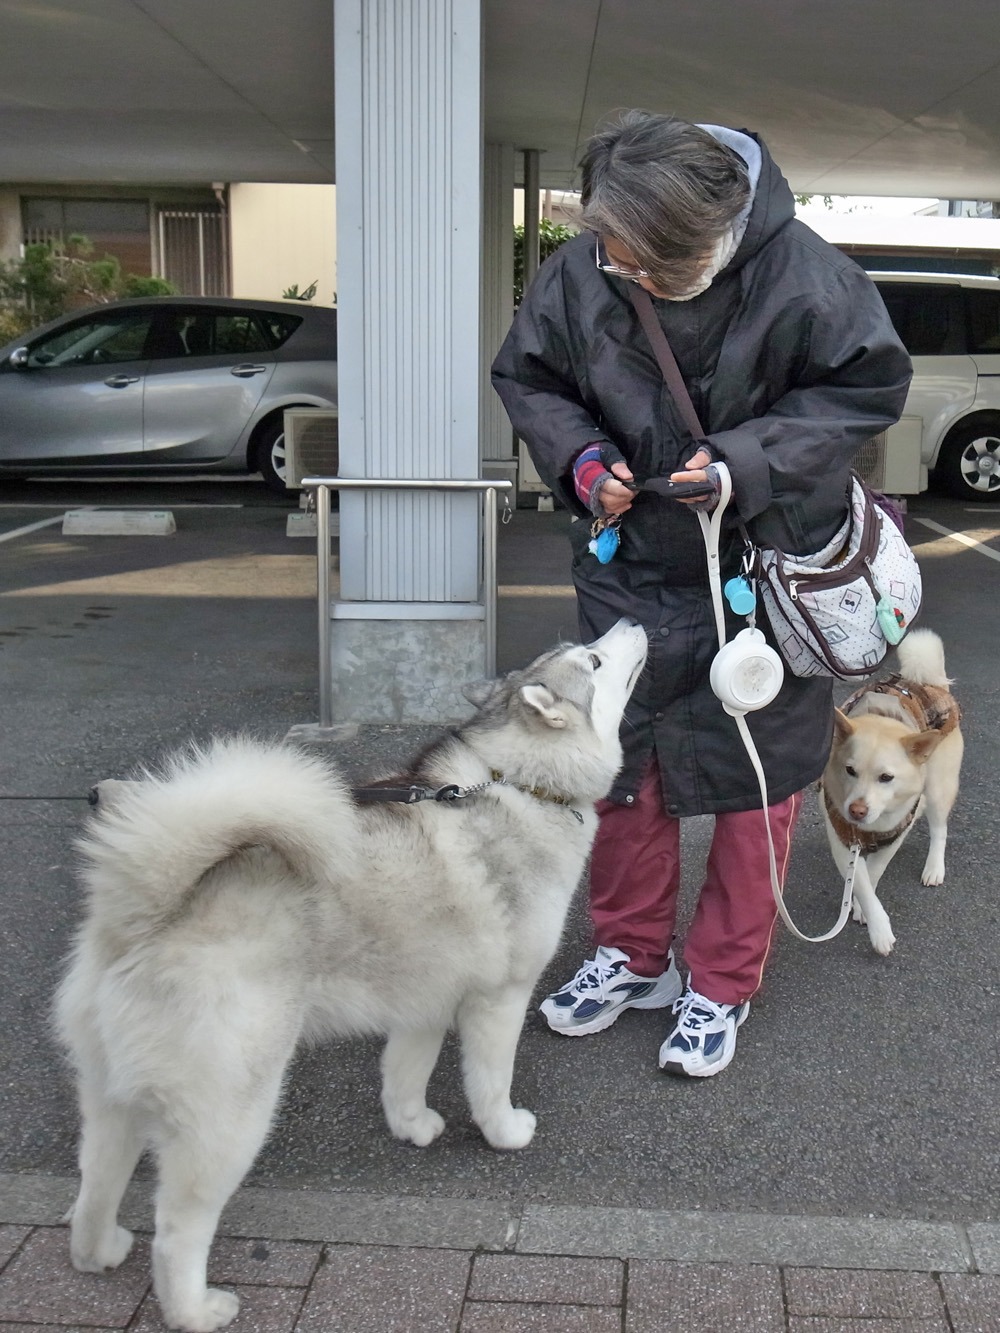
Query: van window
(983,311)
(922,315)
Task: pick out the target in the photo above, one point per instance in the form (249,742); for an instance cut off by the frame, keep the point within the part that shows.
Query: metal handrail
(324,485)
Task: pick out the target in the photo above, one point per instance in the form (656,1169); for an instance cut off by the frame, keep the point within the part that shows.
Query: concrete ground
(856,1130)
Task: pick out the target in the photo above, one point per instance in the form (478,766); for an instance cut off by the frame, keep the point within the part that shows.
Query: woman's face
(622,258)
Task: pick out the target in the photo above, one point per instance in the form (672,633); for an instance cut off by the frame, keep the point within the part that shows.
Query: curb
(908,1244)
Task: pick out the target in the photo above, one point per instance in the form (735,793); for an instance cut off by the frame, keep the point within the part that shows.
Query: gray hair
(663,188)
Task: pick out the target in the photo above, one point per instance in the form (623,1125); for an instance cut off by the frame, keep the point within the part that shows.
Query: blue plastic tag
(740,596)
(605,544)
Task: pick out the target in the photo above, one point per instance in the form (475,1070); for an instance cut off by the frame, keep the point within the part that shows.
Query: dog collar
(385,794)
(868,840)
(539,793)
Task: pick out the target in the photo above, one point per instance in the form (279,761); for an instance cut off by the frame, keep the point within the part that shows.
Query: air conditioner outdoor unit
(311,444)
(890,461)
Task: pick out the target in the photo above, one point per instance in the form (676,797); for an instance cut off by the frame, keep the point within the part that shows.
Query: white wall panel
(408,79)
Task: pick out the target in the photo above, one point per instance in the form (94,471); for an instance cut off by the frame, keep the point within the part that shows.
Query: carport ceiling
(858,96)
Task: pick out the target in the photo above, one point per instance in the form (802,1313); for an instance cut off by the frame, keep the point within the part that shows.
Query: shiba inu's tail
(921,658)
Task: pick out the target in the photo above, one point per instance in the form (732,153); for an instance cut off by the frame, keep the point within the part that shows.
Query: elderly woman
(792,363)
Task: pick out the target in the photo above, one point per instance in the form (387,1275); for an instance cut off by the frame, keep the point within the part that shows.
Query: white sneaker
(604,988)
(704,1039)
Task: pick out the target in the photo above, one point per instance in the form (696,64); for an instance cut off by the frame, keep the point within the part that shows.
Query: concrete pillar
(497,309)
(532,213)
(408,627)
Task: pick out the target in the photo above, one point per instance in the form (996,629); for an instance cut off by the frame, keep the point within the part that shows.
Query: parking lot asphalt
(862,1086)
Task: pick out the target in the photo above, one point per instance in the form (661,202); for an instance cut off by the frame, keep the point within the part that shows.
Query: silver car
(169,384)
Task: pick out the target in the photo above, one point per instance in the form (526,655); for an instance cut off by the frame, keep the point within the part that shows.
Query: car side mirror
(19,358)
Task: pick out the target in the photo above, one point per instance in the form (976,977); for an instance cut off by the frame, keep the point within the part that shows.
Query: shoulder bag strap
(665,358)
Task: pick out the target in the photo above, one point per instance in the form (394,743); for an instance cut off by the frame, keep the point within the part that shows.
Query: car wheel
(969,463)
(269,455)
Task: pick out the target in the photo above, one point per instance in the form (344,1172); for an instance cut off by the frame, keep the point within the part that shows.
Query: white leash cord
(711,528)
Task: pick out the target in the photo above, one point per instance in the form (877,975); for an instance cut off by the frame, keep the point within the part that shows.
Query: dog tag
(740,596)
(891,621)
(605,544)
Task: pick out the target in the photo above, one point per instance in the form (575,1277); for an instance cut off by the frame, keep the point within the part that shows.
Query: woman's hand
(616,498)
(694,471)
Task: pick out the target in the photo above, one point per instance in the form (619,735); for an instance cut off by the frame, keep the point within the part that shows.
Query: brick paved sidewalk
(299,1287)
(308,1261)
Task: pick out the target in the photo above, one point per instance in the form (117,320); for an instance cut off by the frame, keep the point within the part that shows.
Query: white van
(950,325)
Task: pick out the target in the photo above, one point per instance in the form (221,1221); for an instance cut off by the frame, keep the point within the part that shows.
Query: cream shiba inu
(897,752)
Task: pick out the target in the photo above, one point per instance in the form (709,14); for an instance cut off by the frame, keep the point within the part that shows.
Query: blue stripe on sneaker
(637,988)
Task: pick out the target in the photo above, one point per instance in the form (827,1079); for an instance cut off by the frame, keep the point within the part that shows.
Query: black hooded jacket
(792,363)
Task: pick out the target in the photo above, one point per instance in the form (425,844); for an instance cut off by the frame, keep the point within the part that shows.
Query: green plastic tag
(891,620)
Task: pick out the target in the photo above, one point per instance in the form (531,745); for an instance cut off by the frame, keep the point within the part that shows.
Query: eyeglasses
(618,270)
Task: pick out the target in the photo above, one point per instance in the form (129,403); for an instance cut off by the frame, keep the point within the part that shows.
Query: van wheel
(269,455)
(969,463)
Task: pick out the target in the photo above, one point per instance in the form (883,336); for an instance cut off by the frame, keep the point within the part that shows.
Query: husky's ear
(540,700)
(921,746)
(843,727)
(479,692)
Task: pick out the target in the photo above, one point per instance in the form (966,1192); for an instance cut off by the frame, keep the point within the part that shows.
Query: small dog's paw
(515,1129)
(421,1127)
(857,915)
(218,1309)
(102,1258)
(933,872)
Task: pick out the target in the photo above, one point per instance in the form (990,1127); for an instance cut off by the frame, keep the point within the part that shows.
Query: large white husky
(241,901)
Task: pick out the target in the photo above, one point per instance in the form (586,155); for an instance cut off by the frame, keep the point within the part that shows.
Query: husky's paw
(881,936)
(514,1129)
(933,871)
(420,1127)
(102,1257)
(218,1309)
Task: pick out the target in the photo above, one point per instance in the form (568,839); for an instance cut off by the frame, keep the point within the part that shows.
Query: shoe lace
(593,975)
(696,1011)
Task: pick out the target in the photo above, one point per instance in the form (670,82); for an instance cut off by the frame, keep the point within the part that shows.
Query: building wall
(139,254)
(283,236)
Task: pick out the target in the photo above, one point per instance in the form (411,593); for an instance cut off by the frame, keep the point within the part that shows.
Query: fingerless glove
(591,469)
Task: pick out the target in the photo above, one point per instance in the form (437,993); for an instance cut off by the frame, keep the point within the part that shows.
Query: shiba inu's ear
(921,746)
(843,727)
(479,692)
(541,700)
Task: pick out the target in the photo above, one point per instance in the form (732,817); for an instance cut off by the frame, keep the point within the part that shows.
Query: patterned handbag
(837,613)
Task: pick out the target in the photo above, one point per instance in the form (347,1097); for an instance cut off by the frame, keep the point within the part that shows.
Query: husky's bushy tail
(153,839)
(921,658)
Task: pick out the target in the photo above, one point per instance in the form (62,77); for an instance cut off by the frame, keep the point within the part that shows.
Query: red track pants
(635,878)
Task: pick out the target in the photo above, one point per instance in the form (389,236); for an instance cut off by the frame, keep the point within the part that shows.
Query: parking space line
(31,527)
(959,537)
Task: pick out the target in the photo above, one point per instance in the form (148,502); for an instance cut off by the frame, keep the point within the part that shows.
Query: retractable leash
(746,675)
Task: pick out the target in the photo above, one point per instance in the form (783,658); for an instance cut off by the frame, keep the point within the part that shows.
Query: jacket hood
(773,206)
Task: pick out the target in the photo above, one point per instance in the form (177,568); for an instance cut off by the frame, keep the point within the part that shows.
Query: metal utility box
(312,444)
(890,461)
